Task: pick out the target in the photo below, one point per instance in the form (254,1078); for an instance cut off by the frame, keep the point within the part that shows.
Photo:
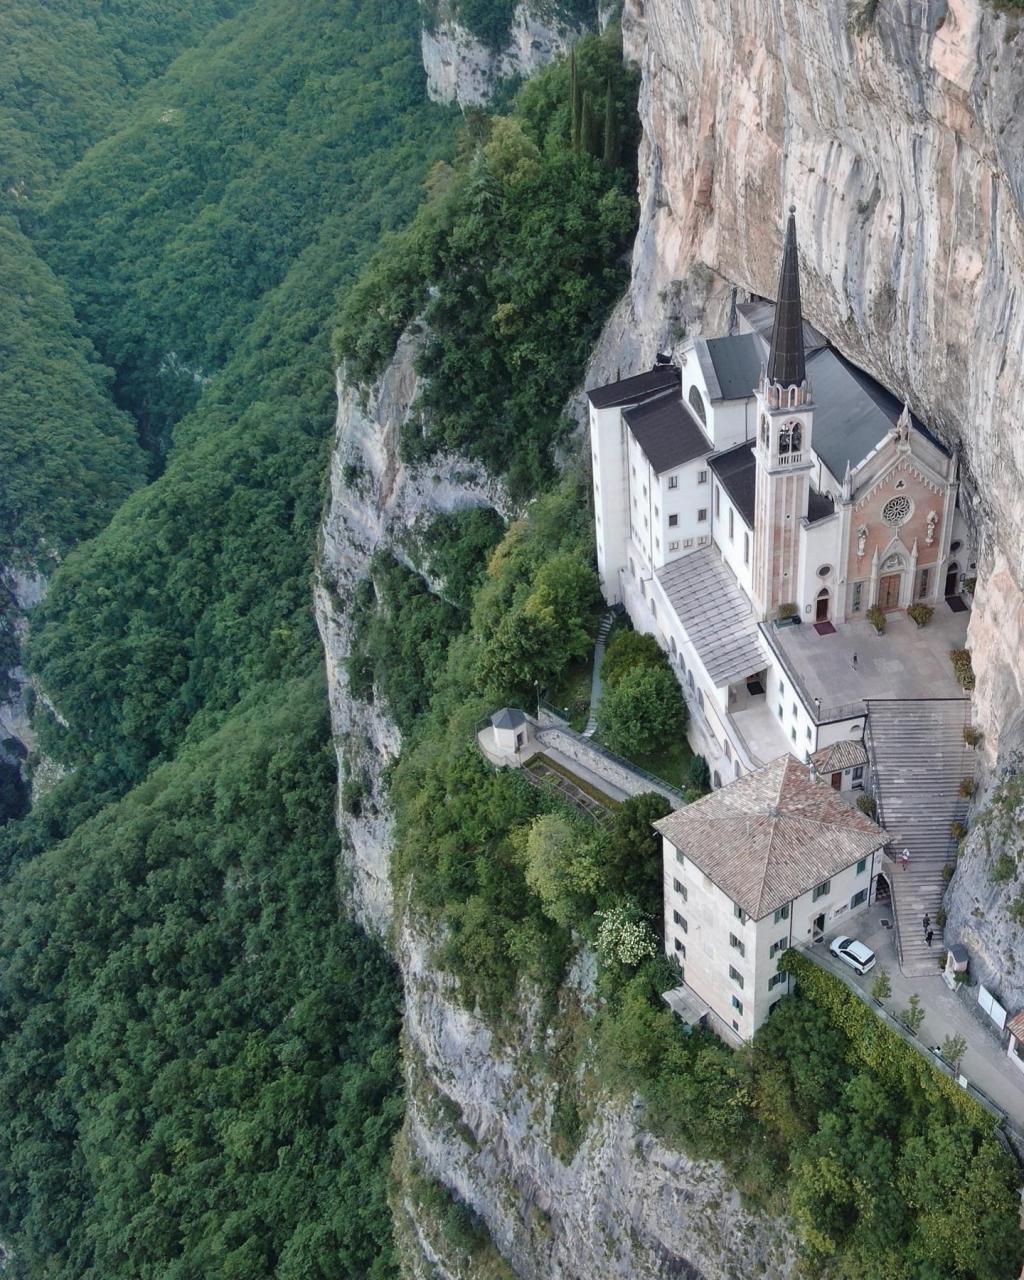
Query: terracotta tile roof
(1015,1026)
(772,835)
(840,755)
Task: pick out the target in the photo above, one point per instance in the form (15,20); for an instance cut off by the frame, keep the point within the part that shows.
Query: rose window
(896,511)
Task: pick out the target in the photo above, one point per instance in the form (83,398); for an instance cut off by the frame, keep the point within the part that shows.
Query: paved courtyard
(985,1063)
(906,661)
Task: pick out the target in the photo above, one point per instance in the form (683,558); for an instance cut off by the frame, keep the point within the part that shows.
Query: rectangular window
(673,521)
(821,890)
(736,976)
(737,1005)
(673,482)
(680,946)
(782,913)
(746,548)
(776,980)
(687,542)
(673,546)
(645,491)
(858,588)
(858,772)
(680,888)
(657,513)
(782,687)
(737,945)
(680,859)
(657,547)
(794,711)
(634,470)
(731,525)
(862,866)
(702,514)
(776,947)
(703,540)
(680,921)
(922,585)
(781,711)
(702,477)
(718,501)
(860,896)
(632,567)
(739,913)
(792,733)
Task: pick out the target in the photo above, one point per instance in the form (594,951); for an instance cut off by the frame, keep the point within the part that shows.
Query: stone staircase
(918,760)
(595,681)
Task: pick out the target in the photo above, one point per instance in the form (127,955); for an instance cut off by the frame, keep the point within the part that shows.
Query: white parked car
(853,953)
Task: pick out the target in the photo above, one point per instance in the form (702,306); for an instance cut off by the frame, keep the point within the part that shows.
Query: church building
(757,493)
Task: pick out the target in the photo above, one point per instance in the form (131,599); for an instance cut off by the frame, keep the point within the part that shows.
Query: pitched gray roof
(737,472)
(715,613)
(632,390)
(667,432)
(772,835)
(760,316)
(737,361)
(508,718)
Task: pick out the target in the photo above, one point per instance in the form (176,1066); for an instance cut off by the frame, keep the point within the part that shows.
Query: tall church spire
(786,357)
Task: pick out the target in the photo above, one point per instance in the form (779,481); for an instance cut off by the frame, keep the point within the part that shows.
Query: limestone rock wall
(462,69)
(374,499)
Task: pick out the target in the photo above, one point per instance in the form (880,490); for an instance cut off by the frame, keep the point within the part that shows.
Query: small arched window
(764,431)
(697,404)
(784,438)
(672,643)
(795,437)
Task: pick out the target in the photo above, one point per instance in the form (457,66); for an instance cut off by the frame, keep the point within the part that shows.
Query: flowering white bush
(625,937)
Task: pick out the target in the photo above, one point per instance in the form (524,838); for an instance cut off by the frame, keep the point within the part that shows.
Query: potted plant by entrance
(921,614)
(787,615)
(877,619)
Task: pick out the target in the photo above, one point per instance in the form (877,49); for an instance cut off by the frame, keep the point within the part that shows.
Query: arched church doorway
(883,890)
(952,579)
(889,590)
(821,606)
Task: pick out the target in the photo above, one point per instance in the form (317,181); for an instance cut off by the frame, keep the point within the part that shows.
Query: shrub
(920,613)
(643,709)
(624,937)
(972,735)
(786,611)
(1016,909)
(699,775)
(876,617)
(626,651)
(881,988)
(969,585)
(866,804)
(940,919)
(947,872)
(1004,868)
(957,829)
(962,668)
(913,1015)
(953,1049)
(967,788)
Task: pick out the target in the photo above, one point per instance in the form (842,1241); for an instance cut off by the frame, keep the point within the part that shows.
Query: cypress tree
(588,127)
(611,128)
(575,105)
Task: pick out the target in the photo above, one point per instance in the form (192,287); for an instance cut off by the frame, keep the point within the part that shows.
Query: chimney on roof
(786,354)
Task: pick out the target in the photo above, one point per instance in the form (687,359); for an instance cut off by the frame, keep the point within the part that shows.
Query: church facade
(759,483)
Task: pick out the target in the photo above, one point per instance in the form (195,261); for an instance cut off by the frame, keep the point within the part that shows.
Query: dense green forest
(199,1055)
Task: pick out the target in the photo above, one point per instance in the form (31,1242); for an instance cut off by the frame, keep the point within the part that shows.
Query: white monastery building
(761,483)
(754,500)
(753,869)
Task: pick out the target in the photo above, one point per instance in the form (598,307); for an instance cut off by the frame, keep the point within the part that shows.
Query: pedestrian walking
(905,859)
(853,662)
(926,922)
(928,937)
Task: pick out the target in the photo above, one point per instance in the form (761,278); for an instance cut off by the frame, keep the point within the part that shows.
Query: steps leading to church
(919,758)
(595,685)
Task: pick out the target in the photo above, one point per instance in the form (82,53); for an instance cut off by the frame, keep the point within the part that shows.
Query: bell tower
(783,449)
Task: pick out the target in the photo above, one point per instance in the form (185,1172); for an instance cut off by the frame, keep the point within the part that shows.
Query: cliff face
(894,127)
(462,69)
